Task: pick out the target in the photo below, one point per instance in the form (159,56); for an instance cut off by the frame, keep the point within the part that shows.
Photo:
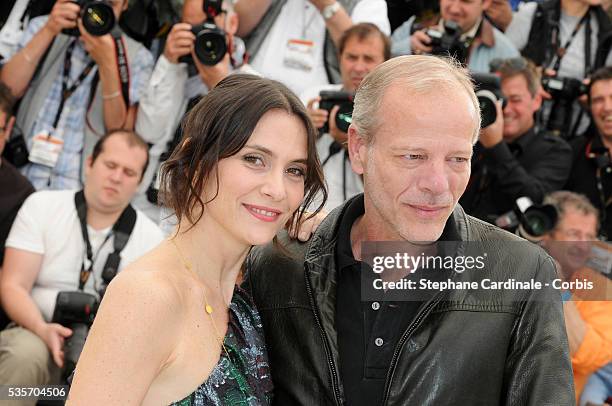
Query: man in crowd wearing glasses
(513,159)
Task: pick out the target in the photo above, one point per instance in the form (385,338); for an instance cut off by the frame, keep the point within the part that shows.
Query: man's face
(418,163)
(520,107)
(601,107)
(113,178)
(358,58)
(570,242)
(464,12)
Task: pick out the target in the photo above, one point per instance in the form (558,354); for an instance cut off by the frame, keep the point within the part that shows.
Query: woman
(164,333)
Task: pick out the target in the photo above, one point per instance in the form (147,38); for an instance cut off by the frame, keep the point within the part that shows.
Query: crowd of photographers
(92,93)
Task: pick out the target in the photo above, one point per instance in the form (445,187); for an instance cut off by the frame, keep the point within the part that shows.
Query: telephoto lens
(97,16)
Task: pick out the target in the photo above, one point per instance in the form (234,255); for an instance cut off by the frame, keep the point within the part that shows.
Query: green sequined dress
(246,379)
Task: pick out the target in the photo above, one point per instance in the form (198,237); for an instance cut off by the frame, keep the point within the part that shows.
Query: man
(484,42)
(47,253)
(591,172)
(588,322)
(295,41)
(176,86)
(70,87)
(362,48)
(15,187)
(414,124)
(513,158)
(552,33)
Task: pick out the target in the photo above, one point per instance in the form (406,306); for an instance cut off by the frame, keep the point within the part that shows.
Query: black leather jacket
(458,351)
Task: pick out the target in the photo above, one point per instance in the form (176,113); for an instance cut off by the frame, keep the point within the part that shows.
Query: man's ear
(88,164)
(357,149)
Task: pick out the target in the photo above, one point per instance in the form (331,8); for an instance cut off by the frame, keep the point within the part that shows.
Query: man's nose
(434,178)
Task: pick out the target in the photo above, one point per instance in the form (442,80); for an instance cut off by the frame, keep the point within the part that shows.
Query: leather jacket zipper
(330,361)
(416,323)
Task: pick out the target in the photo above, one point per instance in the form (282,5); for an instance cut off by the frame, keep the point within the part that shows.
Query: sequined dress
(246,379)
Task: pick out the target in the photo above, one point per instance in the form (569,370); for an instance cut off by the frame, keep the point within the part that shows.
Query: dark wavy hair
(218,127)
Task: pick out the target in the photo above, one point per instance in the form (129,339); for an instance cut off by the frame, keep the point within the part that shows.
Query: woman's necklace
(207,306)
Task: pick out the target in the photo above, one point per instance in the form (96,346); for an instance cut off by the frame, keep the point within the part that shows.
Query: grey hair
(419,73)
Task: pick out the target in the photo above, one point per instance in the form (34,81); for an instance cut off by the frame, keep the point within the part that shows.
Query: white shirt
(341,182)
(58,239)
(299,19)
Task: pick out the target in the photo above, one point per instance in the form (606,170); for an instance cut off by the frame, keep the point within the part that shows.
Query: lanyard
(561,51)
(67,91)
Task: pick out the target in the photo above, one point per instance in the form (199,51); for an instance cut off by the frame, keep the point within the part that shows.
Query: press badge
(46,149)
(299,54)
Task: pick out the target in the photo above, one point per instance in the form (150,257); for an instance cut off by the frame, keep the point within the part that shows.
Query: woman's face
(263,184)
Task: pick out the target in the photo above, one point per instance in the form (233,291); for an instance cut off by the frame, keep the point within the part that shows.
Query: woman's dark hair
(218,127)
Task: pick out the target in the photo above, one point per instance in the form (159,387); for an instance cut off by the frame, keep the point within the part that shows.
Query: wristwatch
(329,11)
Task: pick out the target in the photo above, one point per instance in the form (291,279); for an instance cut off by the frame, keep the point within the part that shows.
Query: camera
(529,220)
(344,116)
(75,310)
(97,16)
(488,91)
(448,42)
(16,149)
(564,91)
(210,44)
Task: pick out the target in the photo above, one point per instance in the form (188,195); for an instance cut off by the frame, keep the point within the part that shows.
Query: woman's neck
(216,258)
(574,8)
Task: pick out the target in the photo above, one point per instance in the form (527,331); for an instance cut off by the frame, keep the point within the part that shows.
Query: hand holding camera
(211,75)
(493,134)
(179,43)
(317,116)
(53,335)
(419,43)
(63,16)
(100,48)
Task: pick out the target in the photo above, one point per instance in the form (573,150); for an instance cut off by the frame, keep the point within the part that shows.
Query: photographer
(570,39)
(473,39)
(362,48)
(296,41)
(73,82)
(588,322)
(591,173)
(178,83)
(513,158)
(47,253)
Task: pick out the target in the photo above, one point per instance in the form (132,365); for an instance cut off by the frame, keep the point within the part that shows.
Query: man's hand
(340,136)
(101,49)
(317,116)
(307,228)
(211,75)
(419,43)
(64,14)
(180,42)
(493,134)
(321,4)
(53,335)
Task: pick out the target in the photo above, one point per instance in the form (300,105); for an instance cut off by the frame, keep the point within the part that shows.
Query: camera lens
(344,116)
(538,221)
(210,46)
(98,18)
(488,111)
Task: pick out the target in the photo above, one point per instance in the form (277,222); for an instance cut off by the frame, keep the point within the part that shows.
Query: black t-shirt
(14,189)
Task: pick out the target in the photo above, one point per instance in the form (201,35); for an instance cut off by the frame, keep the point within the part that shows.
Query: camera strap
(122,229)
(561,51)
(67,91)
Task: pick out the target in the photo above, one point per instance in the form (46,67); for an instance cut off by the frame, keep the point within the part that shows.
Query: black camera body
(488,91)
(75,310)
(341,98)
(97,16)
(210,45)
(16,149)
(448,42)
(565,88)
(564,91)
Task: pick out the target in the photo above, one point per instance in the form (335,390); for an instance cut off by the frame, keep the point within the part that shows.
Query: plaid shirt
(67,172)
